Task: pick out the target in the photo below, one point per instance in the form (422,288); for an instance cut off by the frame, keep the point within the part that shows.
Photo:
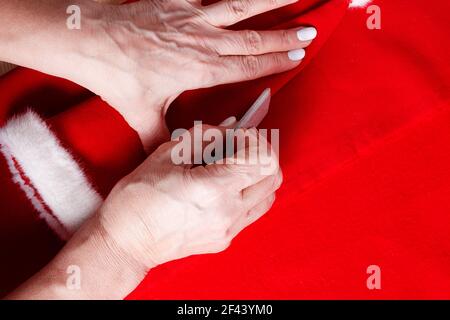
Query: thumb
(228,122)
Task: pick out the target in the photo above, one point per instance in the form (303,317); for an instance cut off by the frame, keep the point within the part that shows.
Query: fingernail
(228,121)
(297,54)
(307,34)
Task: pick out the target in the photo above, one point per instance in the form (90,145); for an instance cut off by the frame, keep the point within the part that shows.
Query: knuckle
(199,15)
(275,3)
(157,4)
(250,66)
(223,246)
(222,235)
(190,25)
(277,61)
(265,206)
(272,199)
(280,178)
(226,222)
(286,37)
(277,181)
(162,2)
(249,212)
(238,8)
(228,237)
(274,158)
(253,41)
(221,225)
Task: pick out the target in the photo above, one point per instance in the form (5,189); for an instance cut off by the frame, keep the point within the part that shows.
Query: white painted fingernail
(228,121)
(297,54)
(307,34)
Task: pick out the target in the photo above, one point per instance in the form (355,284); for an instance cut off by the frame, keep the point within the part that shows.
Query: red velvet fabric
(364,149)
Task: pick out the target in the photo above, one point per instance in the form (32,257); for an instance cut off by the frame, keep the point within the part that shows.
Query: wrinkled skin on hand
(162,212)
(152,51)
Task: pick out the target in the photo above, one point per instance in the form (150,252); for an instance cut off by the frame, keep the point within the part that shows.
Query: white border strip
(53,172)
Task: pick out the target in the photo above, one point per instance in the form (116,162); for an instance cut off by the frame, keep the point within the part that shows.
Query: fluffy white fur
(31,195)
(359,3)
(51,169)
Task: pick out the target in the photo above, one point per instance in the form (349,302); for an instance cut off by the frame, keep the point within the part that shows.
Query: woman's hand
(161,48)
(162,211)
(155,50)
(141,56)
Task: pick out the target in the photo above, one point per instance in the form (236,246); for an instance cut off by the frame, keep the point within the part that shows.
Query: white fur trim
(52,171)
(32,196)
(359,3)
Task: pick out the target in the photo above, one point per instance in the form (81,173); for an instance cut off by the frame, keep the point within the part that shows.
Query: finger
(263,189)
(228,122)
(250,42)
(251,216)
(243,68)
(246,167)
(191,143)
(227,12)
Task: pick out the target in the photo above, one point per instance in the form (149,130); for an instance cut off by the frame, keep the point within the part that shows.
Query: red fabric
(365,152)
(387,207)
(364,149)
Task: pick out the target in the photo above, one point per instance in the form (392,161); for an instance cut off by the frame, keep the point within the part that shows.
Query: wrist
(46,43)
(125,225)
(148,120)
(107,272)
(90,266)
(121,271)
